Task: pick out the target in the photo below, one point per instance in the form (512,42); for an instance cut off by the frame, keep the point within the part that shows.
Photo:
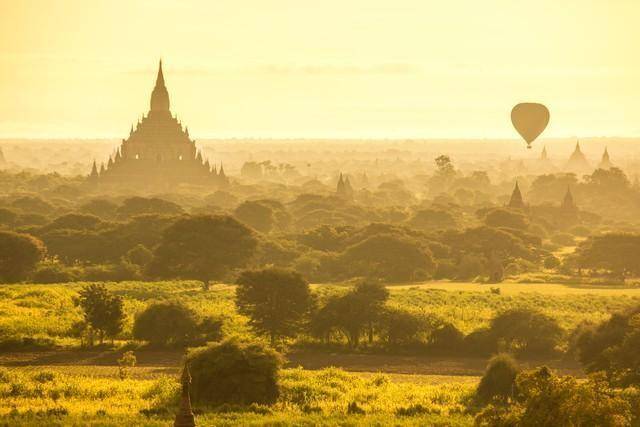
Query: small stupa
(185,417)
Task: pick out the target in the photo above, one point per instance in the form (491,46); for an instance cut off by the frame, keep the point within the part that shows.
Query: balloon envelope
(530,119)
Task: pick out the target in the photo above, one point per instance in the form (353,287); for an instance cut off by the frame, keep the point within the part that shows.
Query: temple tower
(516,201)
(577,163)
(605,162)
(158,152)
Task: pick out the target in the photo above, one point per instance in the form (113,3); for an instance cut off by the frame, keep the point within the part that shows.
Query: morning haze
(286,213)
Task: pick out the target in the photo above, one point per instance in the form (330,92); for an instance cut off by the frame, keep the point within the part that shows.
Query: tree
(19,254)
(388,256)
(104,209)
(433,219)
(444,166)
(103,311)
(275,300)
(526,331)
(371,297)
(506,218)
(8,217)
(203,248)
(140,205)
(139,255)
(256,214)
(616,252)
(399,326)
(352,314)
(235,373)
(166,323)
(74,222)
(612,347)
(499,380)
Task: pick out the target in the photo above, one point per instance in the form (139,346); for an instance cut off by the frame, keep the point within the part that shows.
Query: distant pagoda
(568,204)
(516,201)
(158,151)
(605,162)
(544,156)
(344,189)
(578,161)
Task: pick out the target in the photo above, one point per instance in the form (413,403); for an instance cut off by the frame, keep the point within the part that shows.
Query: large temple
(158,151)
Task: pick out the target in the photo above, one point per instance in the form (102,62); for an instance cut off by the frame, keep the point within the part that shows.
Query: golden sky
(330,68)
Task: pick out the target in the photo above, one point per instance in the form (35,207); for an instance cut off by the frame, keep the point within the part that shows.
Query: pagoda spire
(160,78)
(543,155)
(160,96)
(516,201)
(94,170)
(605,162)
(185,417)
(568,204)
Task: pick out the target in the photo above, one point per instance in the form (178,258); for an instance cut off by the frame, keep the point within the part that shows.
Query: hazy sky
(337,68)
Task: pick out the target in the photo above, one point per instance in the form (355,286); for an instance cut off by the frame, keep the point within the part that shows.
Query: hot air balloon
(530,119)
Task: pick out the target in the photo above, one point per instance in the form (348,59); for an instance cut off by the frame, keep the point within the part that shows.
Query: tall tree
(103,311)
(19,253)
(203,248)
(275,300)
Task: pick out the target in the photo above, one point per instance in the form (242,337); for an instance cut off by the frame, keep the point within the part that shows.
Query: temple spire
(568,204)
(160,96)
(160,78)
(516,201)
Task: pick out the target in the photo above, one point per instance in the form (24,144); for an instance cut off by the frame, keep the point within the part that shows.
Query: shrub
(544,399)
(480,342)
(498,381)
(211,328)
(126,362)
(236,373)
(52,271)
(447,338)
(551,261)
(166,323)
(563,239)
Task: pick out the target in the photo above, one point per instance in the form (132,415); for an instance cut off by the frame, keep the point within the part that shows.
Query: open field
(76,396)
(66,385)
(48,311)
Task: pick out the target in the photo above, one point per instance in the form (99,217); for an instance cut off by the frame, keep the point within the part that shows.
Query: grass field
(69,386)
(64,395)
(48,311)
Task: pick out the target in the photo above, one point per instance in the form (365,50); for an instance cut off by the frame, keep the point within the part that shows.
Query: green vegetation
(48,312)
(31,397)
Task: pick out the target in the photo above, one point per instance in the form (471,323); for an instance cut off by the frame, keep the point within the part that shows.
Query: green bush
(235,373)
(447,338)
(166,323)
(498,381)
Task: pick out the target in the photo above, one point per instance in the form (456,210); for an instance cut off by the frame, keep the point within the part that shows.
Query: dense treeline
(324,235)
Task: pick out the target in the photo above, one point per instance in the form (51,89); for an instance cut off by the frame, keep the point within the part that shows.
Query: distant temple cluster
(567,205)
(578,162)
(158,151)
(344,188)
